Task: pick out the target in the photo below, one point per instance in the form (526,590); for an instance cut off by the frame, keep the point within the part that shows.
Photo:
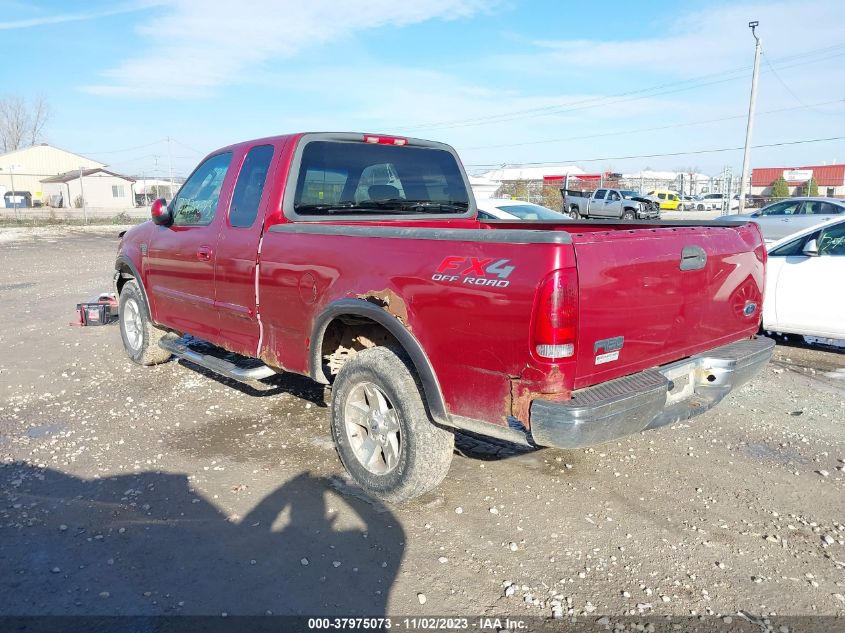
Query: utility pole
(82,195)
(14,192)
(170,167)
(758,47)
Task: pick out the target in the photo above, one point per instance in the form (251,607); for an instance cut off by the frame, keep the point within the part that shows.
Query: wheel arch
(126,270)
(364,309)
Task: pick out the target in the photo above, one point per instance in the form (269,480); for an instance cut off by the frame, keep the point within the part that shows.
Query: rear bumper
(652,398)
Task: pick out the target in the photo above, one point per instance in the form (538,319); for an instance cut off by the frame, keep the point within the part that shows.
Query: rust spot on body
(523,392)
(389,301)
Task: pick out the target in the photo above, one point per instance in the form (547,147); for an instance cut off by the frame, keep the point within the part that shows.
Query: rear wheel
(573,213)
(381,428)
(140,337)
(701,207)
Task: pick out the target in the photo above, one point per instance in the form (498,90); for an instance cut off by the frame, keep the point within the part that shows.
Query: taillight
(384,140)
(556,315)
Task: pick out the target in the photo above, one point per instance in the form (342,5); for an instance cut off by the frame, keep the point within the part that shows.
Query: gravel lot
(129,490)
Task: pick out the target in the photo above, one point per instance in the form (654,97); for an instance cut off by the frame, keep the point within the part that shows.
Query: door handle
(204,253)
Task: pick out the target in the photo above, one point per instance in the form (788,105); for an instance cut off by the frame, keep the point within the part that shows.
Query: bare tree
(39,116)
(21,123)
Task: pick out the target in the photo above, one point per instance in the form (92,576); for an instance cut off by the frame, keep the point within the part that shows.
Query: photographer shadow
(146,544)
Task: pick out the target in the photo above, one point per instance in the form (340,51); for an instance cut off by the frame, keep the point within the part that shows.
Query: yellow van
(669,200)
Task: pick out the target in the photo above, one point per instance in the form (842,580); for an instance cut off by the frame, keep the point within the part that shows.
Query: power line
(632,95)
(188,147)
(649,129)
(787,88)
(689,153)
(128,149)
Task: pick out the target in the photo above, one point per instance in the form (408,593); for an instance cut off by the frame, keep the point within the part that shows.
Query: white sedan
(504,209)
(804,283)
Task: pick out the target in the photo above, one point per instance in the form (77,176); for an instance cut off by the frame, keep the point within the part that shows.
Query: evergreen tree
(780,188)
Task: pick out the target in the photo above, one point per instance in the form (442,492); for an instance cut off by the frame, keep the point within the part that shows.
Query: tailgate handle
(693,258)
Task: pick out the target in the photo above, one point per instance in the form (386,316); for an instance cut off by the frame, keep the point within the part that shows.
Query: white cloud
(196,46)
(60,18)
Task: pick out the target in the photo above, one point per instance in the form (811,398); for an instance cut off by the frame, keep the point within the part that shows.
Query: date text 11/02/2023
(418,623)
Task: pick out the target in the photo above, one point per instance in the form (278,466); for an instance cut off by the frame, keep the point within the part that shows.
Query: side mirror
(811,249)
(160,213)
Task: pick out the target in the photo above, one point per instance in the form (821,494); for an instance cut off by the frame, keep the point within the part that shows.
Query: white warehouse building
(97,186)
(23,170)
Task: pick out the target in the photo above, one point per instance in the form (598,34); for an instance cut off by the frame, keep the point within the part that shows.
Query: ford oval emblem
(750,308)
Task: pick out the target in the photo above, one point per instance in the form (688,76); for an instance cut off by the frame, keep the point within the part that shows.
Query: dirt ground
(146,491)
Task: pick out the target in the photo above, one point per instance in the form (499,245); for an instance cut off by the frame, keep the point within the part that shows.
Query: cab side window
(613,196)
(248,190)
(599,194)
(196,201)
(793,248)
(790,207)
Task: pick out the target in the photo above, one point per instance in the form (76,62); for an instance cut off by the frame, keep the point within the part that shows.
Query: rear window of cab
(347,178)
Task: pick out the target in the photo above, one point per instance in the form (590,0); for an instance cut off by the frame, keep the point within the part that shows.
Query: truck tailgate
(649,296)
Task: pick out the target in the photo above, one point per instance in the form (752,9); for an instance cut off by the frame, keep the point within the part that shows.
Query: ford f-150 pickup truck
(358,260)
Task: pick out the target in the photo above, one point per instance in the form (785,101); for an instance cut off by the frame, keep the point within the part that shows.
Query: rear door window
(819,207)
(250,186)
(600,193)
(364,179)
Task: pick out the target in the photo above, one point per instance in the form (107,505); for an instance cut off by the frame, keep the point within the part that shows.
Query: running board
(217,365)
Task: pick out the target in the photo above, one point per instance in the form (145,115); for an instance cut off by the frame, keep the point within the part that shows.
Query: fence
(94,214)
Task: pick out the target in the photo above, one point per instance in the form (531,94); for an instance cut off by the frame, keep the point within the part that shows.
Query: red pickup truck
(358,260)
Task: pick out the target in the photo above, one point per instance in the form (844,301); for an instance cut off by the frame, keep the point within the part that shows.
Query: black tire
(421,453)
(701,207)
(140,337)
(574,213)
(628,215)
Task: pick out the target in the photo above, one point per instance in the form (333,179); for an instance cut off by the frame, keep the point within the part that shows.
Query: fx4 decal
(474,271)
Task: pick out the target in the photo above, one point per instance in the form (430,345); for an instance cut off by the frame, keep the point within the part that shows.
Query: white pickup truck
(620,204)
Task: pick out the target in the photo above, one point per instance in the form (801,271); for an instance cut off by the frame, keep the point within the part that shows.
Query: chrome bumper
(652,398)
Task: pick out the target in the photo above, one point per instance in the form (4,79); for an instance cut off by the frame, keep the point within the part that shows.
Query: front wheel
(628,215)
(701,207)
(382,432)
(140,337)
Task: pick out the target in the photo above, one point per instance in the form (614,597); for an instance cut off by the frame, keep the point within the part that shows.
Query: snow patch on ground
(839,374)
(20,234)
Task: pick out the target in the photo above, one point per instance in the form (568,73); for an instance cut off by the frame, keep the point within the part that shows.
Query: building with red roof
(829,178)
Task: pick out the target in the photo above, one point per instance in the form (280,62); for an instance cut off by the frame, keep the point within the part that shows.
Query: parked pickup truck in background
(358,260)
(619,204)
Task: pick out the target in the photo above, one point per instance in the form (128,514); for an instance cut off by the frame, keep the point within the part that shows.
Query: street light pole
(758,47)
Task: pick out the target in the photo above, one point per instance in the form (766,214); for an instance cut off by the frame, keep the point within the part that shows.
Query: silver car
(779,219)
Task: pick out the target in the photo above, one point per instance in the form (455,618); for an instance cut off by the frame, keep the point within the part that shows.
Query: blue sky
(502,81)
